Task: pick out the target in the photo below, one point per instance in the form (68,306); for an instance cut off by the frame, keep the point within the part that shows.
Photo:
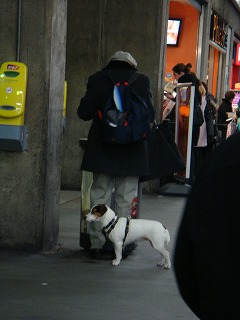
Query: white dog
(123,231)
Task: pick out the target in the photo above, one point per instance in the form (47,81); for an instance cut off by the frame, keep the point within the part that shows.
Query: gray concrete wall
(58,20)
(228,11)
(96,29)
(23,177)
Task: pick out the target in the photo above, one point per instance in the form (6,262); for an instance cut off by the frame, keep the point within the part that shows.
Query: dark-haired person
(210,114)
(183,74)
(225,106)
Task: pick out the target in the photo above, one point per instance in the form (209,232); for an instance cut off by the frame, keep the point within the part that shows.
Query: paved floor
(69,285)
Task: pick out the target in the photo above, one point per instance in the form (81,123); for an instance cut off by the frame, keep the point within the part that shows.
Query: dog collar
(109,227)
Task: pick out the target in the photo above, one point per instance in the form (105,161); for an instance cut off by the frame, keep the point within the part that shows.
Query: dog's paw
(160,264)
(164,265)
(115,262)
(167,266)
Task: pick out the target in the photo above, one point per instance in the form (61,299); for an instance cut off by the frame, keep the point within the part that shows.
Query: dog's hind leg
(165,257)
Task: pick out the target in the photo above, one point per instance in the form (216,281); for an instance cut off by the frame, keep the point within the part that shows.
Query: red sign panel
(238,55)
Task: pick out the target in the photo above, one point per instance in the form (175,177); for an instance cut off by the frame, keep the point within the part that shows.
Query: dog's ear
(99,209)
(103,209)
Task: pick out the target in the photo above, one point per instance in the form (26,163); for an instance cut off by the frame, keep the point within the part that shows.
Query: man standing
(225,106)
(115,166)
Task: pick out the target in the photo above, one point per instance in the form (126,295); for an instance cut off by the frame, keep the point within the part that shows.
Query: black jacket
(197,98)
(207,260)
(226,106)
(192,78)
(210,114)
(117,160)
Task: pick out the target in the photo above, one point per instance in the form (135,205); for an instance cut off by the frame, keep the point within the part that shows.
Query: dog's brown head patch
(99,210)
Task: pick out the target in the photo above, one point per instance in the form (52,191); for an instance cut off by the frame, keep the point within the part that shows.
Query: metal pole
(190,129)
(19,29)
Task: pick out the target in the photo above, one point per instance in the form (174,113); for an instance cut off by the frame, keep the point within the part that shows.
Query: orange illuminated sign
(217,31)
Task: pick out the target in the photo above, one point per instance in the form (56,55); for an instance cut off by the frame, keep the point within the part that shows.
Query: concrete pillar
(203,44)
(30,180)
(58,19)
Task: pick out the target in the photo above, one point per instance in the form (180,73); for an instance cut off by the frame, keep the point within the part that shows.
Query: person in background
(183,74)
(238,115)
(225,106)
(116,166)
(206,257)
(210,115)
(209,95)
(200,149)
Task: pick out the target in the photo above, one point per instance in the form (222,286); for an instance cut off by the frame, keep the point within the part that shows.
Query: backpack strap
(117,95)
(133,77)
(130,81)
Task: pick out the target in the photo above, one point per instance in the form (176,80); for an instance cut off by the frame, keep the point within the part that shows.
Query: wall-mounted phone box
(13,86)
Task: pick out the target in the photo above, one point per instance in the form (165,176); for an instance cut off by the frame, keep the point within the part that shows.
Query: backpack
(125,118)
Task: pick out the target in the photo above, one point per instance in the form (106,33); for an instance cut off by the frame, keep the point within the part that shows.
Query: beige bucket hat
(124,56)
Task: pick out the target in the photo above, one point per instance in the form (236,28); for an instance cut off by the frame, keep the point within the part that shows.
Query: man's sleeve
(88,104)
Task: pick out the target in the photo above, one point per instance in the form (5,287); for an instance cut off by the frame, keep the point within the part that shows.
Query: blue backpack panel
(125,118)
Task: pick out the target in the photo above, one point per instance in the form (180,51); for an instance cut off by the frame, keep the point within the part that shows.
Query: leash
(111,225)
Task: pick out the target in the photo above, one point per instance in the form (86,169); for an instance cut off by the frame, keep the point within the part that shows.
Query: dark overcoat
(225,106)
(207,259)
(116,160)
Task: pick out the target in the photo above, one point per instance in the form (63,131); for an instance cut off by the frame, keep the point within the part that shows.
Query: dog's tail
(167,236)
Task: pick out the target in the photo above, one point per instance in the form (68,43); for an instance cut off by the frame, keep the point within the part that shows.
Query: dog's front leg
(118,253)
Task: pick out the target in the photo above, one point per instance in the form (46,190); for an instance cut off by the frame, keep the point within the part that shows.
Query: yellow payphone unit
(13,85)
(65,100)
(64,114)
